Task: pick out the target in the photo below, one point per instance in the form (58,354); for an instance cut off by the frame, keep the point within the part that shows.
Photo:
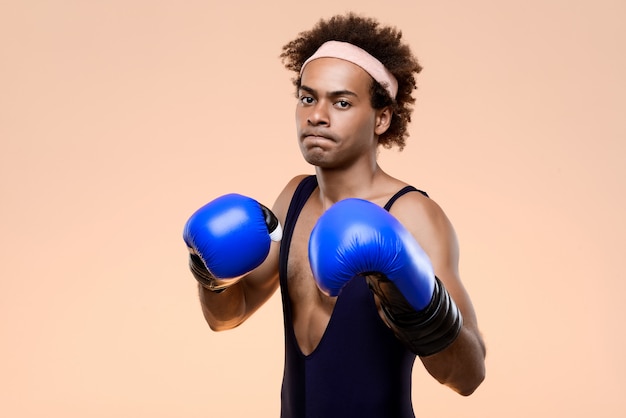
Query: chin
(314,157)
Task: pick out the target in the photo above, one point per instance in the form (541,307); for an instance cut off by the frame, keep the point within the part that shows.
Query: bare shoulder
(429,224)
(420,213)
(281,205)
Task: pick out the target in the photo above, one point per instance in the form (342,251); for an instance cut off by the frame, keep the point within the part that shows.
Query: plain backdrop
(119,118)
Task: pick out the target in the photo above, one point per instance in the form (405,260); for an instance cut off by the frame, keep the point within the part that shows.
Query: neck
(336,185)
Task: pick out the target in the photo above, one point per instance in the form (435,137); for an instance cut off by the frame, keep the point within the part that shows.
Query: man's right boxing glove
(227,238)
(355,237)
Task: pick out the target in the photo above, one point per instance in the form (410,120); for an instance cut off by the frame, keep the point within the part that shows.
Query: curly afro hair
(382,42)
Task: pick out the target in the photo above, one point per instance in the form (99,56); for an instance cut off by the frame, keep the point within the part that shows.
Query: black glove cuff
(270,219)
(203,275)
(424,332)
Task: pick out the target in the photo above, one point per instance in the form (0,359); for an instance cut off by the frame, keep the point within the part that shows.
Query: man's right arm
(230,308)
(236,299)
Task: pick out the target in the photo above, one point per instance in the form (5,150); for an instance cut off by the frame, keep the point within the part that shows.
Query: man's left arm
(461,365)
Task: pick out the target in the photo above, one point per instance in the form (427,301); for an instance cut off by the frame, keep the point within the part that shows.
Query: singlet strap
(301,195)
(401,193)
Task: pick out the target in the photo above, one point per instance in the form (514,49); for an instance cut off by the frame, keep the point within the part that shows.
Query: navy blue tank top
(359,369)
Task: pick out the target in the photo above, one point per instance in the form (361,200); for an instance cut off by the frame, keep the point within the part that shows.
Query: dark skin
(338,133)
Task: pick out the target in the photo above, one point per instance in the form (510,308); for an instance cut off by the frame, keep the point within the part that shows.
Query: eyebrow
(331,93)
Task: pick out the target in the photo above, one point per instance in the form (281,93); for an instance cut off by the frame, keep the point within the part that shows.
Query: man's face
(335,121)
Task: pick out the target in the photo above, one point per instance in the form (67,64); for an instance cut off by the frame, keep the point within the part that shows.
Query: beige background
(119,118)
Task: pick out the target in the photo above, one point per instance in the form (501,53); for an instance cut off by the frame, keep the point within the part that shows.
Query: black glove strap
(203,275)
(424,332)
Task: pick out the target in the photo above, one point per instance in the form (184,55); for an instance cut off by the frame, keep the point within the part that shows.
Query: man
(367,265)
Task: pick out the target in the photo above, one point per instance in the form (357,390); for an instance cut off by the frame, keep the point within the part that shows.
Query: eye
(342,104)
(307,100)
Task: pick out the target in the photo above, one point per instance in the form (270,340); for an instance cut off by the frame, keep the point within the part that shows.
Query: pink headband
(360,57)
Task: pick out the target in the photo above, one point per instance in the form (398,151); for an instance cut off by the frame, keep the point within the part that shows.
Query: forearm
(426,331)
(449,345)
(461,366)
(225,310)
(229,307)
(222,302)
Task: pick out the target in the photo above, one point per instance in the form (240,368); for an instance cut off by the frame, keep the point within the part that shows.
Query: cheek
(299,117)
(366,125)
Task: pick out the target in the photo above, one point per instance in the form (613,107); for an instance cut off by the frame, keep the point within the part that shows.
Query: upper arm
(430,226)
(462,365)
(261,283)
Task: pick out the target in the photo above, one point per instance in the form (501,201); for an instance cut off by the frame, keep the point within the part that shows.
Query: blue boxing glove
(227,238)
(359,238)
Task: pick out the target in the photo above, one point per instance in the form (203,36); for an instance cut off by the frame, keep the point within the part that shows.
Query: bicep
(436,235)
(441,244)
(260,284)
(461,366)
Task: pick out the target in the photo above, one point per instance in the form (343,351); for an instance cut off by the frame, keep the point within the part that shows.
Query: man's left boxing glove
(355,237)
(227,238)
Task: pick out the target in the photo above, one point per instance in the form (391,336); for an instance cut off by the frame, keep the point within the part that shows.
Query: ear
(383,120)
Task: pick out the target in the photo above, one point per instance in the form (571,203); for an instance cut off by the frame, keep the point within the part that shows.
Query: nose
(318,115)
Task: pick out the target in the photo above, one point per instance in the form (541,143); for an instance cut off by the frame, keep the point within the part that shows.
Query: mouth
(316,136)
